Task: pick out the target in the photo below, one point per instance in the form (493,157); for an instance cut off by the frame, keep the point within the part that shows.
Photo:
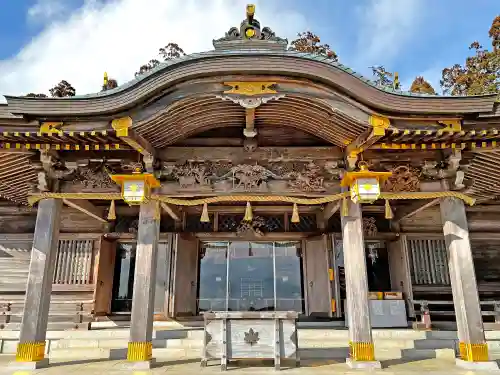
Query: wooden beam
(87,208)
(124,131)
(236,154)
(364,141)
(172,211)
(249,130)
(414,208)
(21,151)
(330,209)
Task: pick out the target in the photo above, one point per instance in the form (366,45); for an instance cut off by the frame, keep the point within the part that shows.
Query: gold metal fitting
(361,351)
(30,351)
(140,351)
(474,352)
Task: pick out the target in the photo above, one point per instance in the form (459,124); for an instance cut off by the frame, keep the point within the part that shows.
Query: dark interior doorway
(123,280)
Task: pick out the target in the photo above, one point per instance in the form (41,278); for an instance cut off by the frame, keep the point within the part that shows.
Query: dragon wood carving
(226,177)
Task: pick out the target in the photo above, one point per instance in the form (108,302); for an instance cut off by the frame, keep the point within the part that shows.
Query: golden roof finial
(250,10)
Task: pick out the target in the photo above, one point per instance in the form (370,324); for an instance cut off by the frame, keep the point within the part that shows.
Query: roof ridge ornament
(250,36)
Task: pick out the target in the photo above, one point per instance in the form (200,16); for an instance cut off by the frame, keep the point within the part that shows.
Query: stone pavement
(191,366)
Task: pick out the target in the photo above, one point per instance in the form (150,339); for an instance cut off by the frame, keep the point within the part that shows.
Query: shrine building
(250,178)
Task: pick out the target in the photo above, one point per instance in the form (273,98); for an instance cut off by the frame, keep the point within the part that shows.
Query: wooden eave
(16,176)
(195,115)
(62,140)
(286,64)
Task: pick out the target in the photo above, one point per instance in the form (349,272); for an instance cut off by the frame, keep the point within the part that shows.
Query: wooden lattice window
(428,262)
(307,223)
(74,262)
(193,224)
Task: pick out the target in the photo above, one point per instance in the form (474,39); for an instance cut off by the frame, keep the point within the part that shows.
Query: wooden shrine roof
(183,98)
(250,62)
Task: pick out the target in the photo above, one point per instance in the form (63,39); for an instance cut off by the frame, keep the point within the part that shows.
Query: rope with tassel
(344,196)
(34,198)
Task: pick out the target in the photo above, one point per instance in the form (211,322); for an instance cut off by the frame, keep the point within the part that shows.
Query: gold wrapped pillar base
(473,352)
(30,352)
(140,351)
(361,351)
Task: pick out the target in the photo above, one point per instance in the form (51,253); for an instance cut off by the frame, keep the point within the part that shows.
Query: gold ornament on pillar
(295,214)
(388,210)
(364,185)
(248,213)
(204,214)
(112,211)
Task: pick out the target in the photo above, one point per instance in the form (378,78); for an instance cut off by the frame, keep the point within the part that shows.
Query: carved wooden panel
(262,177)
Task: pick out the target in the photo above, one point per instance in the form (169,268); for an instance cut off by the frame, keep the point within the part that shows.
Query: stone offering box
(250,335)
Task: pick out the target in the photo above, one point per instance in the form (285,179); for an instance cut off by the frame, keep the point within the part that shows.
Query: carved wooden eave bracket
(377,130)
(250,95)
(124,131)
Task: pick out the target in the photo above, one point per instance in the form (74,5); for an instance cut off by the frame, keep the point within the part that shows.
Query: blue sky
(44,41)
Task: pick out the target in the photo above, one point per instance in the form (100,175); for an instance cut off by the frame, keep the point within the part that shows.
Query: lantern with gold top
(364,185)
(136,187)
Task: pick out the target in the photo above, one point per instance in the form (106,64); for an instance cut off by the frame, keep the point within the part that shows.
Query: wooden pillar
(361,350)
(31,347)
(141,324)
(473,347)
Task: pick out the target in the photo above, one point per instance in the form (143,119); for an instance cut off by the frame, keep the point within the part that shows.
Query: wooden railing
(62,314)
(424,310)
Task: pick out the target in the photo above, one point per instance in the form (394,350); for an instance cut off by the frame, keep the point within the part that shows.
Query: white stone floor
(191,366)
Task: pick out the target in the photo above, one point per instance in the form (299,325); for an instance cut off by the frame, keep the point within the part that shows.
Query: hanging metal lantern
(364,185)
(136,187)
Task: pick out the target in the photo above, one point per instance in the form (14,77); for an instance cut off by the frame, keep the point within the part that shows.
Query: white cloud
(118,36)
(43,10)
(386,25)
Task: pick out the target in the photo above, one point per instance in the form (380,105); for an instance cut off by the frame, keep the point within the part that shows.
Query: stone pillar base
(28,365)
(480,366)
(367,365)
(139,365)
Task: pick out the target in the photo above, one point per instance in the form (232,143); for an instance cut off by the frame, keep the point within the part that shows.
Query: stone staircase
(186,343)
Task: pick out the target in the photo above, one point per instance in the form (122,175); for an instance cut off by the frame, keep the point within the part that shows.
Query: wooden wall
(73,277)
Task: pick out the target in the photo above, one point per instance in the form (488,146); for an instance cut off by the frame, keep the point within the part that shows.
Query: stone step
(377,334)
(176,353)
(123,343)
(107,353)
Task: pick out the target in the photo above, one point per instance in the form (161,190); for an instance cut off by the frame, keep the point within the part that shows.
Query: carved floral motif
(93,178)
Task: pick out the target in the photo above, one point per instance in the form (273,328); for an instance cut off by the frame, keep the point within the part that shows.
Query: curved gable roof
(249,61)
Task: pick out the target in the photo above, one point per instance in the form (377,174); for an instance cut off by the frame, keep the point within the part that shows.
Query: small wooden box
(393,295)
(375,295)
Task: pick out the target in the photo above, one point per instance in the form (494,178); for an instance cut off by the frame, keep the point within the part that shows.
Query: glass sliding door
(288,275)
(212,283)
(250,276)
